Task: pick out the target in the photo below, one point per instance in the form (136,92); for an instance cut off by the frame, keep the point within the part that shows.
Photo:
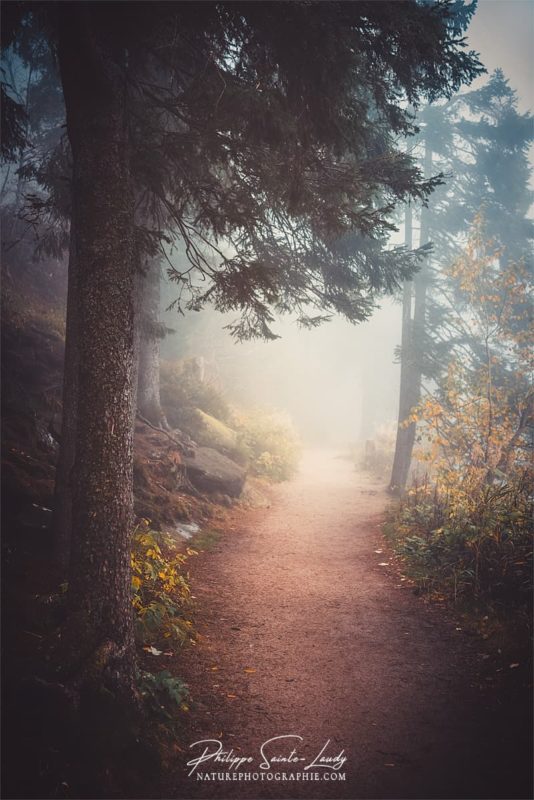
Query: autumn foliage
(464,528)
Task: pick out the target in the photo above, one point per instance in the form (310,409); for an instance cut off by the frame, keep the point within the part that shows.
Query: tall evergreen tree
(265,129)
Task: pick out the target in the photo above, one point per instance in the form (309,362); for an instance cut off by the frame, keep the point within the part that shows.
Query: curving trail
(342,651)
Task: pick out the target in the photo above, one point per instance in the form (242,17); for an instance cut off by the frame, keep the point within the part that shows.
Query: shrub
(270,443)
(468,542)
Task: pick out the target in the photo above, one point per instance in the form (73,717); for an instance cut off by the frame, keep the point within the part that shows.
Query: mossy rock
(211,432)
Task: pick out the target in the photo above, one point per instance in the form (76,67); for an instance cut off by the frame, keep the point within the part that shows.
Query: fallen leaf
(513,666)
(249,669)
(232,696)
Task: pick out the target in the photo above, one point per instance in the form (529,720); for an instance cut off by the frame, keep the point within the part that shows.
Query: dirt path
(341,651)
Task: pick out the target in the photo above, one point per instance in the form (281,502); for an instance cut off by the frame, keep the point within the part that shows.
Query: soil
(307,630)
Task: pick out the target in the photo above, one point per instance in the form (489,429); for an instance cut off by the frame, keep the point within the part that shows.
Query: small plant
(161,593)
(163,693)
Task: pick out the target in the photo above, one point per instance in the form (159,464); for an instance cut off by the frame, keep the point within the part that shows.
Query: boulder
(211,432)
(211,471)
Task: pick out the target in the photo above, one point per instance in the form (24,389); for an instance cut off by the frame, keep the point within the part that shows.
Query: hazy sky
(502,31)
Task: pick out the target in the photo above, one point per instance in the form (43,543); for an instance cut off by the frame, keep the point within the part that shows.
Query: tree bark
(93,76)
(150,333)
(63,487)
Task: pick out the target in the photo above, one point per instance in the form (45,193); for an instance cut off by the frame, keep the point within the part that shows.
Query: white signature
(270,754)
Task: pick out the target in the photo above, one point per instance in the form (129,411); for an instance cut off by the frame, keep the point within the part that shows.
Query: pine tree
(264,129)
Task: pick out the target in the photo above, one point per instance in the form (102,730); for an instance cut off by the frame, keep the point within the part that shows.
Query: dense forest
(268,416)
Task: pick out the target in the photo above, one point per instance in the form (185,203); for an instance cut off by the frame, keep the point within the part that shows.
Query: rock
(186,529)
(253,497)
(210,471)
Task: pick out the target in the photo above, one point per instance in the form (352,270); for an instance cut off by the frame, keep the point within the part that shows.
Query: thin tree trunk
(412,374)
(63,486)
(402,447)
(150,331)
(93,76)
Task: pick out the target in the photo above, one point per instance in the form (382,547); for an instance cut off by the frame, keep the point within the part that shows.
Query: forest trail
(341,651)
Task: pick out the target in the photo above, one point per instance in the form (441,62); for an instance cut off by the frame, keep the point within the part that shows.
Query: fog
(340,382)
(337,382)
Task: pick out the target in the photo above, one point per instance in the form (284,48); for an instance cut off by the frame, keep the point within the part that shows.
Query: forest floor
(306,629)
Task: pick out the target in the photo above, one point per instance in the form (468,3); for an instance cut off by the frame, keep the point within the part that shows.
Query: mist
(338,383)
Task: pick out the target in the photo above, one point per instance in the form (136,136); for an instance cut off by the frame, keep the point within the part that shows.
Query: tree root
(185,448)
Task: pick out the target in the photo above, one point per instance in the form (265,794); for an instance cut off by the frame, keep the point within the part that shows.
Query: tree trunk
(402,445)
(63,487)
(93,76)
(150,332)
(413,333)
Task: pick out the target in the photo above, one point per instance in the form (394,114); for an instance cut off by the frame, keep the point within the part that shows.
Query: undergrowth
(473,545)
(161,592)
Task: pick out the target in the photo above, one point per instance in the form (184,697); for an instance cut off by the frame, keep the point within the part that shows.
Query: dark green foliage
(262,134)
(307,154)
(13,126)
